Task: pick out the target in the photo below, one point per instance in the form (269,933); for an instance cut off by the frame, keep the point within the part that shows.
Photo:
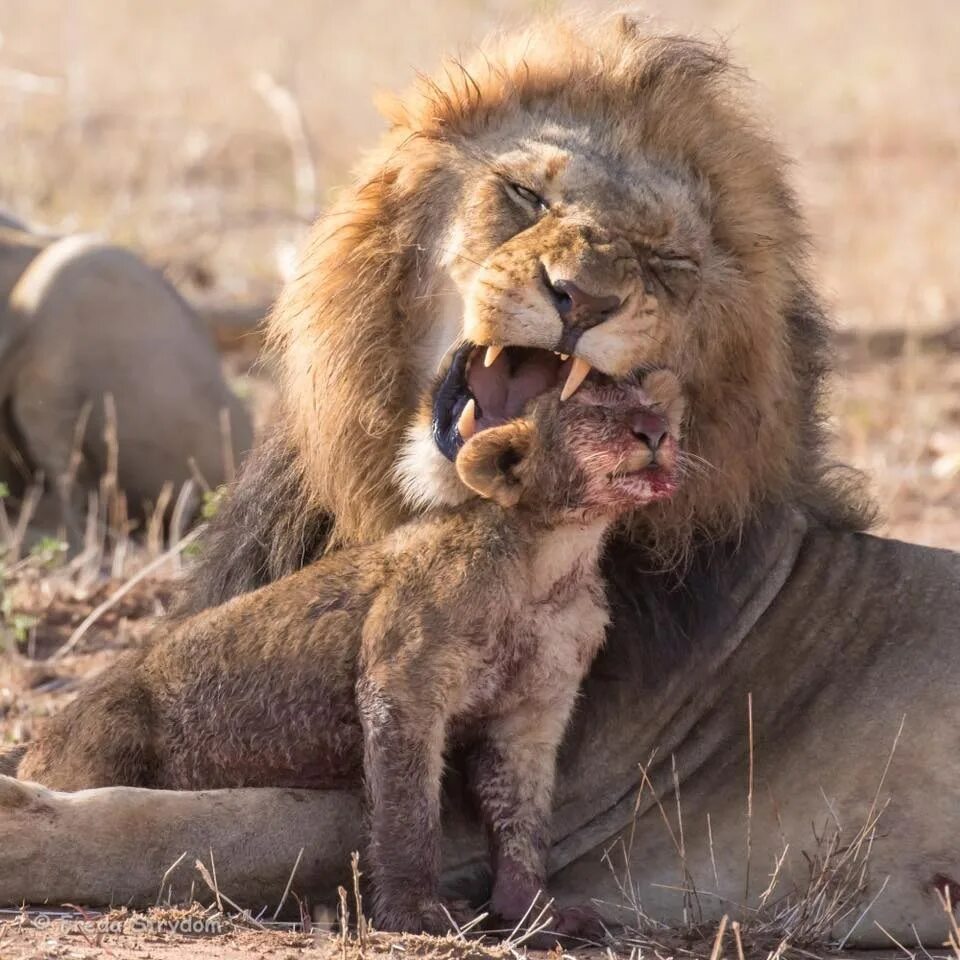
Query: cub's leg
(512,771)
(405,718)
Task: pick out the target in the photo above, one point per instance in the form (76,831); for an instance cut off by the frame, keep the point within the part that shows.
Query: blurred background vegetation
(206,135)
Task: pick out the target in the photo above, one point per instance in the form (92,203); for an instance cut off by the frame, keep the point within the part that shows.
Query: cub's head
(582,200)
(613,448)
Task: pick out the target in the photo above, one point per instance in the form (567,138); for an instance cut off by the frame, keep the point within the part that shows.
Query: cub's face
(611,448)
(565,260)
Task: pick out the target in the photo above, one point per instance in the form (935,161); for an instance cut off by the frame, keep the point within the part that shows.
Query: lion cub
(471,626)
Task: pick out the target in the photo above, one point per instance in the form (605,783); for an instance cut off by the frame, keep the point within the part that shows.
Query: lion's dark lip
(450,396)
(500,392)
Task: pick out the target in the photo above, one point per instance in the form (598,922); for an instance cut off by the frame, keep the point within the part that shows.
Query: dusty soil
(158,935)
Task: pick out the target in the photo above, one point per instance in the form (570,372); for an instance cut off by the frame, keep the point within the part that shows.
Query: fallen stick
(122,591)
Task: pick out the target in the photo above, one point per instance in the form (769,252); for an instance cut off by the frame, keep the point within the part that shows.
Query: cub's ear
(492,462)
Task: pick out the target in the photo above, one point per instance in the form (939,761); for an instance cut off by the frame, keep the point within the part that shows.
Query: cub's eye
(526,196)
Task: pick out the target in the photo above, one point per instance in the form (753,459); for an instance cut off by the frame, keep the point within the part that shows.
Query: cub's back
(260,691)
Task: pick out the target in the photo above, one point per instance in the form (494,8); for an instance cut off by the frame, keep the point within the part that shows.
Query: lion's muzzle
(579,310)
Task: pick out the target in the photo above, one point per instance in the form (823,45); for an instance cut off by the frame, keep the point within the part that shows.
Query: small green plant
(18,623)
(212,501)
(48,551)
(4,490)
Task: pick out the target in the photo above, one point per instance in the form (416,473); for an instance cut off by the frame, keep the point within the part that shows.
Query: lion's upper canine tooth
(467,424)
(490,357)
(578,373)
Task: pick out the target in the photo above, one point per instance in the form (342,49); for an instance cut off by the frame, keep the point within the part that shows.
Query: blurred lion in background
(93,341)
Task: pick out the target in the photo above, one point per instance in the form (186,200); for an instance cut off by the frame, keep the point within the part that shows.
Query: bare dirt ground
(208,136)
(158,936)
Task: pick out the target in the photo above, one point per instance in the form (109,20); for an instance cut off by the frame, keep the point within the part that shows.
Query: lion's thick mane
(351,330)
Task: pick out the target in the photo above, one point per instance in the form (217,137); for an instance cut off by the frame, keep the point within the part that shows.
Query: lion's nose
(578,309)
(589,309)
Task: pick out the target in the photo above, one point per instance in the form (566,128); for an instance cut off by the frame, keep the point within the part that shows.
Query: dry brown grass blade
(362,925)
(746,893)
(226,442)
(221,897)
(718,942)
(738,940)
(166,875)
(286,889)
(953,934)
(28,507)
(343,915)
(118,594)
(287,110)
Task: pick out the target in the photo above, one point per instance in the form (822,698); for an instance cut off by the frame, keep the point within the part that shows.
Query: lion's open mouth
(487,386)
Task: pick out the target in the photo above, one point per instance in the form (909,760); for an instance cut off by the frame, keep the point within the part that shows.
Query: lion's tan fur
(350,328)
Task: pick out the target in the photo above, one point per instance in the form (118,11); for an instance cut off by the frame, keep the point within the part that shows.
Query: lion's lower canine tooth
(578,373)
(490,357)
(467,424)
(564,356)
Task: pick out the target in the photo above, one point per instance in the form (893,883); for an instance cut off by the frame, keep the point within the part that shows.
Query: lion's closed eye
(679,276)
(524,196)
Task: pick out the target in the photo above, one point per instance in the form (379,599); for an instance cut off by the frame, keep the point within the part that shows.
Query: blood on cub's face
(611,448)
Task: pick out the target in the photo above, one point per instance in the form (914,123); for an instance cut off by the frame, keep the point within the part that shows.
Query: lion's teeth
(578,373)
(467,424)
(490,357)
(564,357)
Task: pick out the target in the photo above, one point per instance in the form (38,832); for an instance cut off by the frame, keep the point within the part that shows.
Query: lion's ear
(492,462)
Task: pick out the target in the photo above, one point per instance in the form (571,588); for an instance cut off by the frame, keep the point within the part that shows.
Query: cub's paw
(427,916)
(570,926)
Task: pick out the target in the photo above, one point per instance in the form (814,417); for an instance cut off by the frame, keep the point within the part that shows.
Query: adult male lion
(599,192)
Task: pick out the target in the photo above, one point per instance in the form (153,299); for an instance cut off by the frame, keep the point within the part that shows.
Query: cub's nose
(649,428)
(578,309)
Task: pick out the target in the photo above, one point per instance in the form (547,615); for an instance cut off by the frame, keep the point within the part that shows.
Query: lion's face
(563,262)
(581,200)
(581,255)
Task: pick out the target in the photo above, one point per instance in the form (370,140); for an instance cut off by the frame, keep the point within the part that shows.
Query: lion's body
(834,638)
(81,320)
(861,638)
